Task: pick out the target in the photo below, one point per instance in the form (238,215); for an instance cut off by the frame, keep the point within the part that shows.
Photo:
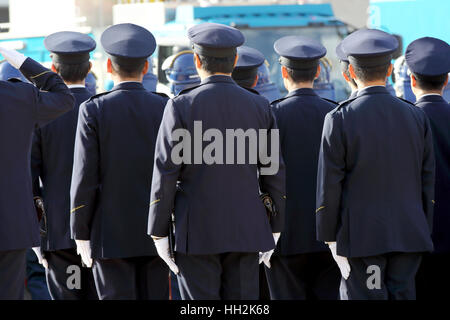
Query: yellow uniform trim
(75,209)
(284,197)
(320,208)
(40,74)
(432,201)
(155,201)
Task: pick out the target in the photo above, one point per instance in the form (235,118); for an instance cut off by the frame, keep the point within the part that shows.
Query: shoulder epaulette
(252,90)
(98,95)
(162,94)
(14,80)
(187,90)
(406,101)
(344,103)
(332,101)
(278,100)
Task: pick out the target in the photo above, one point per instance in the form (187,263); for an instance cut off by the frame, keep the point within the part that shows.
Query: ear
(198,63)
(413,80)
(351,70)
(90,66)
(146,65)
(319,68)
(53,68)
(235,60)
(109,68)
(284,72)
(345,76)
(255,82)
(446,81)
(391,67)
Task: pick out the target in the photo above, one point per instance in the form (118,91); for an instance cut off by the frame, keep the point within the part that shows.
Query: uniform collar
(301,92)
(372,90)
(128,85)
(218,78)
(433,97)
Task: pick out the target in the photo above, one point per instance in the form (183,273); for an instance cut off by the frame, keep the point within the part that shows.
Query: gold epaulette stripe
(155,201)
(75,209)
(320,208)
(40,74)
(284,197)
(432,201)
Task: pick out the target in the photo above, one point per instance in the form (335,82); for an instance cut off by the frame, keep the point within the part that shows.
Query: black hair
(366,74)
(245,77)
(302,75)
(72,72)
(128,67)
(214,65)
(430,82)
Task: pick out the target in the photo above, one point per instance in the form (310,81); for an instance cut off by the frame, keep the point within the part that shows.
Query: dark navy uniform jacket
(22,108)
(112,173)
(300,117)
(217,207)
(438,112)
(52,161)
(375,182)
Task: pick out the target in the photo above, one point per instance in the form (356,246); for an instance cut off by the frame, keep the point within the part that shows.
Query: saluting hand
(265,256)
(162,246)
(84,250)
(14,57)
(341,261)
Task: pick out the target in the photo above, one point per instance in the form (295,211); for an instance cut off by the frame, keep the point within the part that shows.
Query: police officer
(180,71)
(51,162)
(36,284)
(23,107)
(265,86)
(428,60)
(220,221)
(344,71)
(245,73)
(114,150)
(301,268)
(375,178)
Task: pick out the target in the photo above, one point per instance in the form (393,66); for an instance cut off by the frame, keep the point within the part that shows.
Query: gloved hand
(265,256)
(342,262)
(14,57)
(162,246)
(84,250)
(41,259)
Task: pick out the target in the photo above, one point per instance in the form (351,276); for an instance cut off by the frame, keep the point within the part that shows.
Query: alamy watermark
(251,143)
(374,280)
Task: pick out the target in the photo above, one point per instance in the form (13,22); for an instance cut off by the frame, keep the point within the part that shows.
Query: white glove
(84,250)
(342,262)
(162,246)
(265,256)
(37,251)
(14,57)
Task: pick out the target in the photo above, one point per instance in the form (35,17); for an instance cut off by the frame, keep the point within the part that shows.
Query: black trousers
(226,276)
(67,279)
(433,279)
(138,278)
(389,276)
(308,276)
(12,274)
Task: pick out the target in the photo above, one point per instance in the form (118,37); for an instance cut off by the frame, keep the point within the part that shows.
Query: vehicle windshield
(264,38)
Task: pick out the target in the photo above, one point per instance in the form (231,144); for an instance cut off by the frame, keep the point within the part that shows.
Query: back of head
(70,54)
(428,59)
(246,69)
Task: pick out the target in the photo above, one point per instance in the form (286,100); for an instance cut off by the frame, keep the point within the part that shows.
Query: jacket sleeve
(428,175)
(272,175)
(36,163)
(330,176)
(165,174)
(85,176)
(52,97)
